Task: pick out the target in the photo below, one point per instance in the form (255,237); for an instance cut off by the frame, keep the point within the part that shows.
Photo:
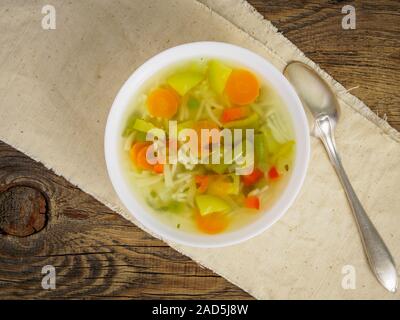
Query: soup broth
(189,191)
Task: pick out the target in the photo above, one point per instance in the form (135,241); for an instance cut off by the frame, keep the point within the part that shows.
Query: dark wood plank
(97,254)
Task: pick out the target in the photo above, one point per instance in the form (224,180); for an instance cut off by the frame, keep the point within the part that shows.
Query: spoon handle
(378,255)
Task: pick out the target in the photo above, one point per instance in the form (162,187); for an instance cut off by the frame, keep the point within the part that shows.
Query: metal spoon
(323,109)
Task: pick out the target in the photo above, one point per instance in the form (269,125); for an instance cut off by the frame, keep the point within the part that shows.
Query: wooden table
(97,254)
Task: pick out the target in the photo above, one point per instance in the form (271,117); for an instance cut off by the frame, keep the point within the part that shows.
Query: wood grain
(97,254)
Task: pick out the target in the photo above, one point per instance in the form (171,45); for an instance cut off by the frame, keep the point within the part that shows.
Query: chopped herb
(193,103)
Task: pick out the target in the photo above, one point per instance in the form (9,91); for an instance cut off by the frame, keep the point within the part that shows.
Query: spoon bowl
(315,94)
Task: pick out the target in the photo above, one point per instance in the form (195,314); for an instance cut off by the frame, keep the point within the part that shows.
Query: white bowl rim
(223,51)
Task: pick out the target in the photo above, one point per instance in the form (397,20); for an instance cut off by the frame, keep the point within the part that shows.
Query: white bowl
(221,51)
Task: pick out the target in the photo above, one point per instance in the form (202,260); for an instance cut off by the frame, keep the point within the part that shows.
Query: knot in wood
(23,211)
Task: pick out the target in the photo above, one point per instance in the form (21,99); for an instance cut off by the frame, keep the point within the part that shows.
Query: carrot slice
(252,202)
(163,103)
(252,178)
(141,159)
(135,150)
(202,182)
(273,173)
(212,223)
(158,168)
(204,124)
(242,87)
(235,113)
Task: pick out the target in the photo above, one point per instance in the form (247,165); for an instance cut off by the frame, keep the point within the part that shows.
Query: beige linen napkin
(57,86)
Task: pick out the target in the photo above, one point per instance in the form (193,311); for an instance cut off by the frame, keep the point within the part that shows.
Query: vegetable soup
(208,145)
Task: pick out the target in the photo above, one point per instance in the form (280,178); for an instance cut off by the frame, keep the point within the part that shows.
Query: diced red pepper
(235,113)
(252,202)
(273,173)
(202,182)
(252,178)
(158,168)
